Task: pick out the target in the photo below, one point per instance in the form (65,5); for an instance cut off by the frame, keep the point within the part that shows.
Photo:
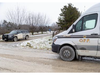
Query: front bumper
(6,38)
(55,48)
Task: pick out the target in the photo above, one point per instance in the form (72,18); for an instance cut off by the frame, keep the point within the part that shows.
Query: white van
(82,38)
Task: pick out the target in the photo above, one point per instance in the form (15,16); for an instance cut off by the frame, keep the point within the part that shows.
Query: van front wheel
(67,53)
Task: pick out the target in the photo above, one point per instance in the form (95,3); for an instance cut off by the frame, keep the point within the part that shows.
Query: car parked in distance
(16,35)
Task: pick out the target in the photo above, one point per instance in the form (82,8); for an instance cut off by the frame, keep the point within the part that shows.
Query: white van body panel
(86,53)
(64,41)
(75,42)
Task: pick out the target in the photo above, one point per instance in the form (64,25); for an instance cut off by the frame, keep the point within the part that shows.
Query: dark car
(16,35)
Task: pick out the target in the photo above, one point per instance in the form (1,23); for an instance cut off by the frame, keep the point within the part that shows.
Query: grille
(5,36)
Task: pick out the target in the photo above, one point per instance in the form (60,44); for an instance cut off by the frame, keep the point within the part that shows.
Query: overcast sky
(52,9)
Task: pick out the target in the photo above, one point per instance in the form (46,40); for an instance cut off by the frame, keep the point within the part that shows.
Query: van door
(98,52)
(86,36)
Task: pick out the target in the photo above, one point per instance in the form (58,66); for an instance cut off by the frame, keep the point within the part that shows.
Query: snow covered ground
(41,43)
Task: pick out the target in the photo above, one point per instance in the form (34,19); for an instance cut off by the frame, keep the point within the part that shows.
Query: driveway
(18,59)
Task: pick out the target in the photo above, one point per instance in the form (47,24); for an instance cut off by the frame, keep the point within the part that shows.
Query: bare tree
(7,26)
(43,21)
(36,21)
(54,27)
(17,16)
(1,22)
(30,20)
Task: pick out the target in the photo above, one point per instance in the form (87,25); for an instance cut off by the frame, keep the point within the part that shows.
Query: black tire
(15,39)
(67,53)
(26,37)
(6,40)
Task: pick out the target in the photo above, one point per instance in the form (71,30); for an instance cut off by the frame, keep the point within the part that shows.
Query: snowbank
(42,43)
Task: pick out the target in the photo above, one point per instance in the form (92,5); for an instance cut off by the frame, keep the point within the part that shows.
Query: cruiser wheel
(6,40)
(27,37)
(67,53)
(15,39)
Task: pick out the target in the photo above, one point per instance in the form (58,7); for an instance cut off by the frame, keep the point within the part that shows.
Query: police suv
(82,38)
(16,35)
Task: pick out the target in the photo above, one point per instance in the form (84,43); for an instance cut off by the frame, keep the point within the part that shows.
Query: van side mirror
(73,30)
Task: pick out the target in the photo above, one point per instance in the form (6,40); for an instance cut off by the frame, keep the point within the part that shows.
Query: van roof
(94,8)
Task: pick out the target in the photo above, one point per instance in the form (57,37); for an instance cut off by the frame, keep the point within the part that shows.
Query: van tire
(15,39)
(67,53)
(26,37)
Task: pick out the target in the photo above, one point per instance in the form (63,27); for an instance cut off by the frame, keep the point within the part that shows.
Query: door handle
(94,34)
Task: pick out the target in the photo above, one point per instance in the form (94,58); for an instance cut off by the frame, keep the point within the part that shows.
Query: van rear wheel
(67,53)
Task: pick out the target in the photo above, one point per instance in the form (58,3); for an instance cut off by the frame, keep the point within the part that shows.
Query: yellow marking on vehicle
(84,36)
(84,40)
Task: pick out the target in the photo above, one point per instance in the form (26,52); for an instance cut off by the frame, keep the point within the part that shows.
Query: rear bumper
(55,48)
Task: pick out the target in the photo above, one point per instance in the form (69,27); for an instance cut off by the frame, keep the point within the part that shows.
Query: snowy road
(16,59)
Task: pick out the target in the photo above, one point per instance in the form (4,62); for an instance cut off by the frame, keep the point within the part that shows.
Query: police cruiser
(16,35)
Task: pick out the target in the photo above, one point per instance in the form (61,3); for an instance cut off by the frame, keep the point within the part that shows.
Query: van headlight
(54,39)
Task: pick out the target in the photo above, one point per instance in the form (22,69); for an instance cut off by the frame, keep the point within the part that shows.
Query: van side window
(79,26)
(89,21)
